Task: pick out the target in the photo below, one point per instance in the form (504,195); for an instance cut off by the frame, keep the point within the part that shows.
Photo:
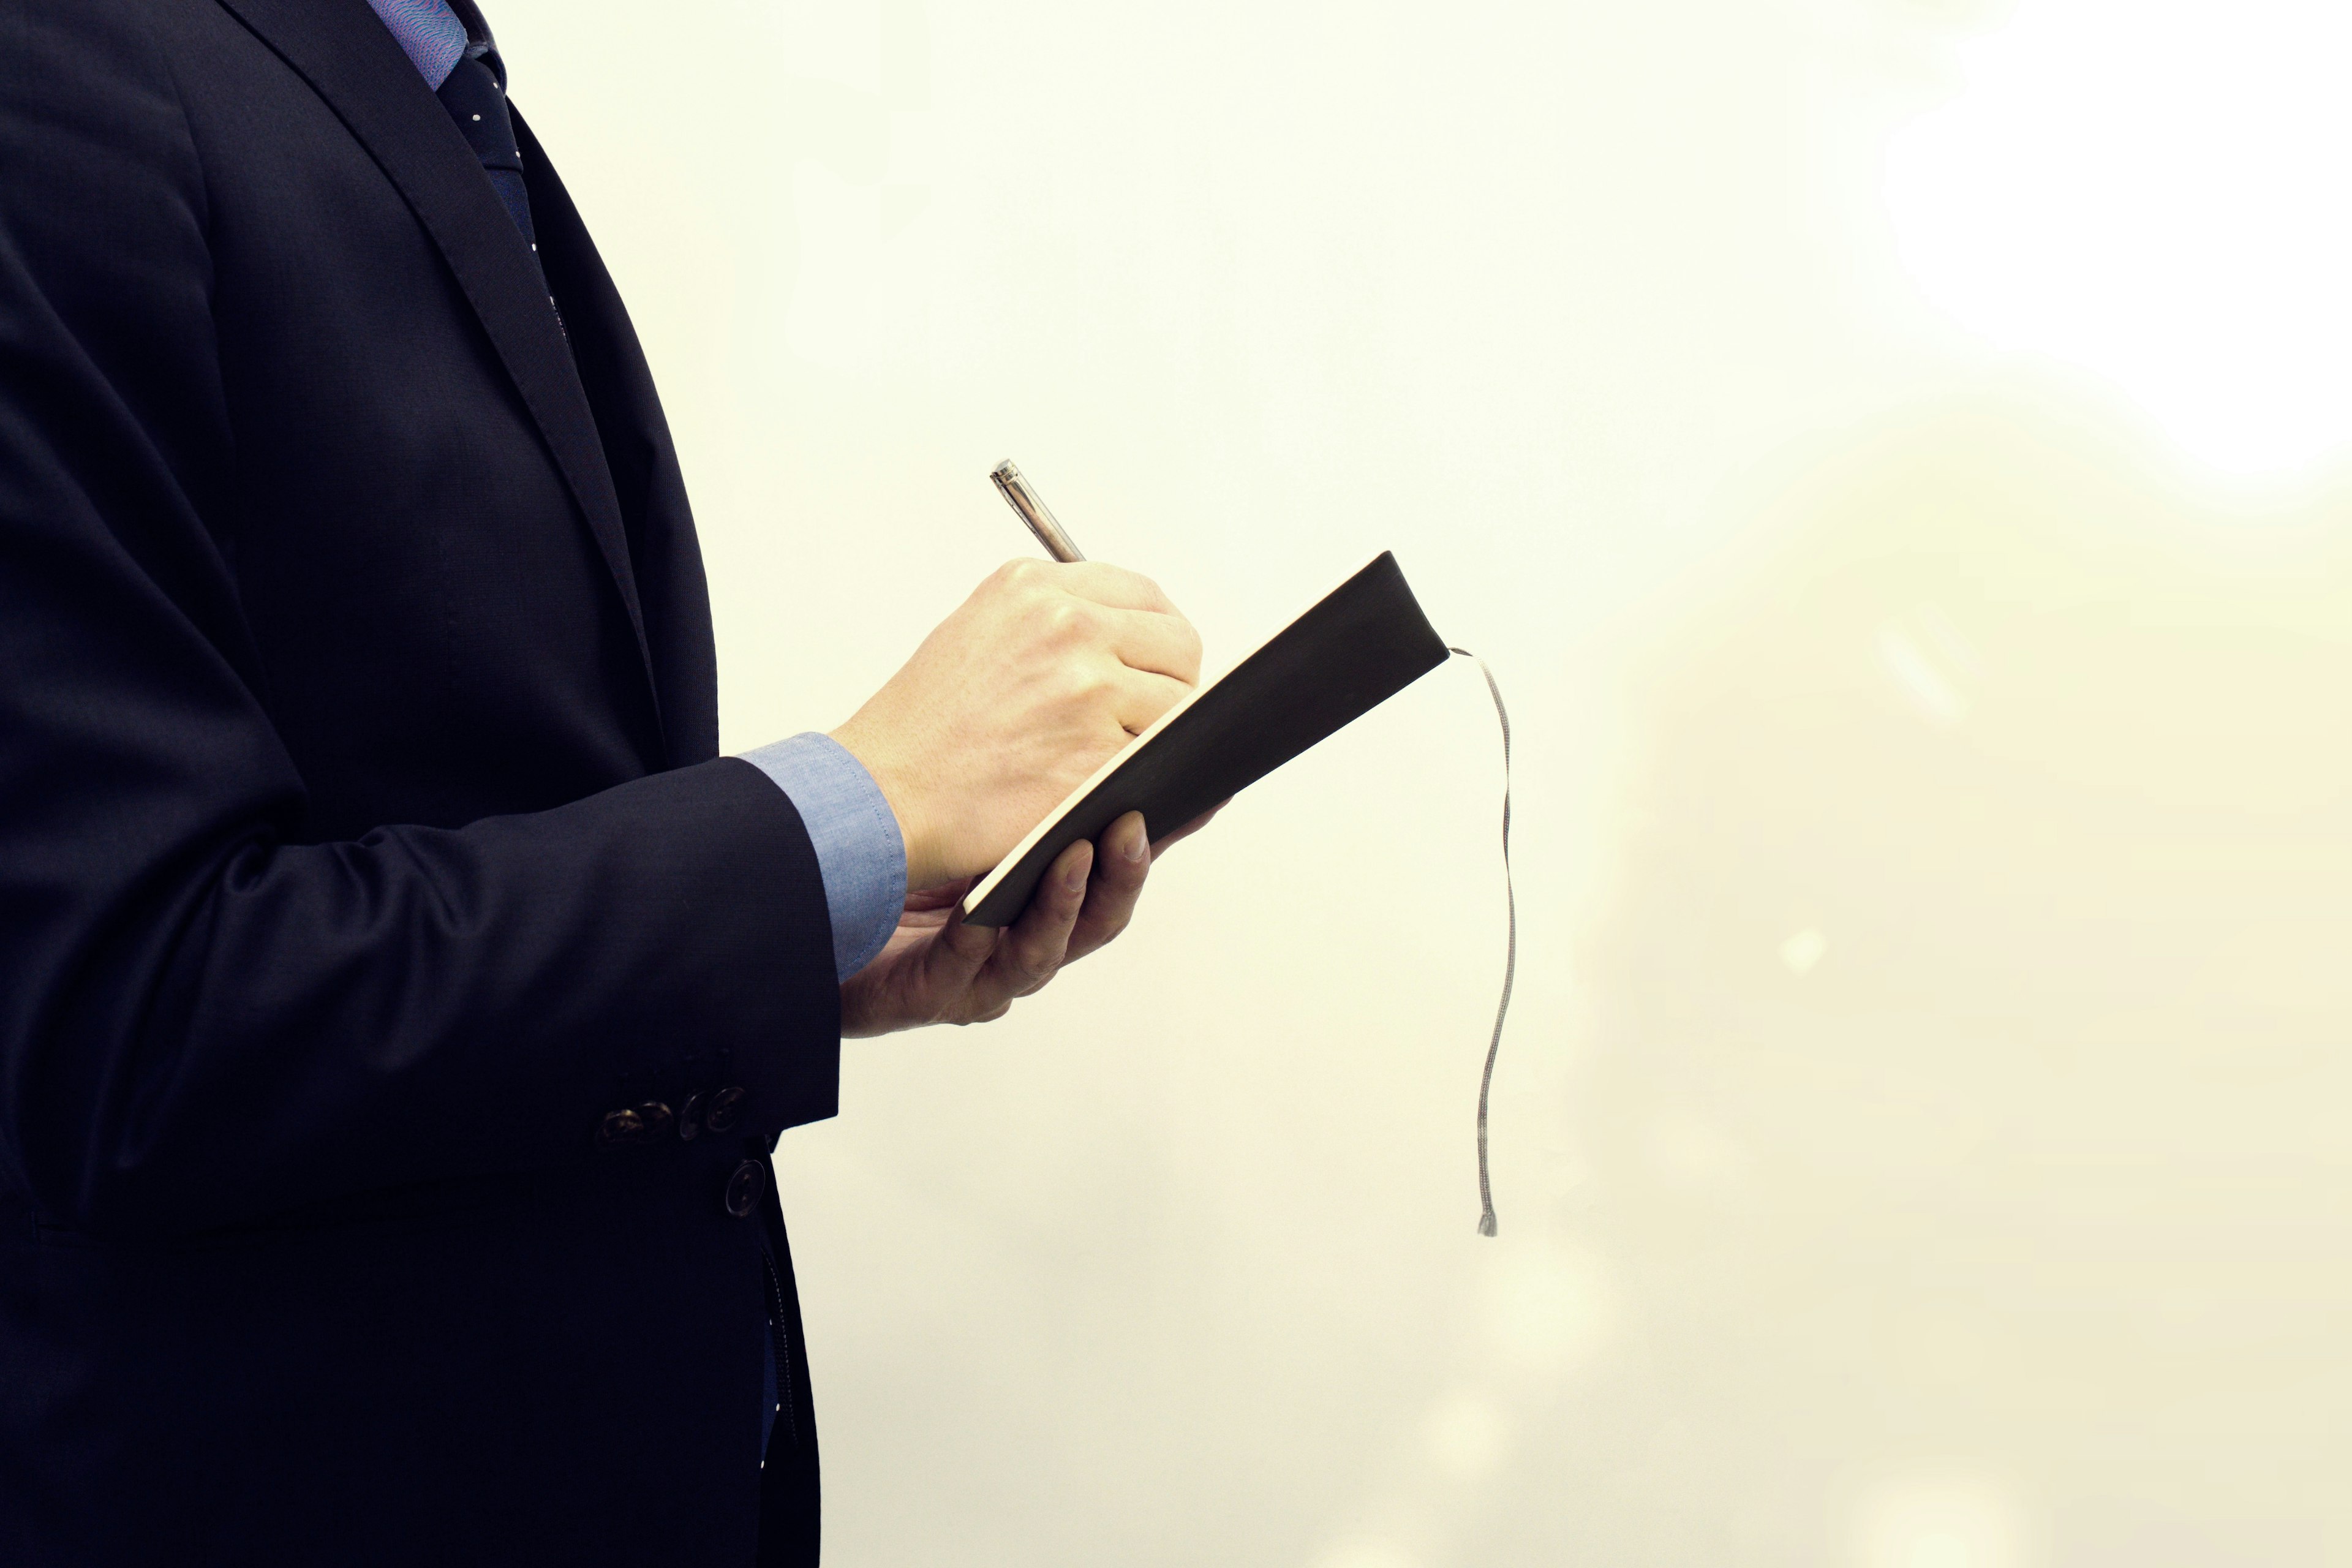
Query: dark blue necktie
(452,48)
(475,94)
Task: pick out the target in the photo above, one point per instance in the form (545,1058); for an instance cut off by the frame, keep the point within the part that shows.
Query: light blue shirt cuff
(858,848)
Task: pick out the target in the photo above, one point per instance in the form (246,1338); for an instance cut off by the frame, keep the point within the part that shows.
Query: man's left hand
(937,970)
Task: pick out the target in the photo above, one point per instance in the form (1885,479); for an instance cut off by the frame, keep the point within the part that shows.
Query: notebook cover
(1361,644)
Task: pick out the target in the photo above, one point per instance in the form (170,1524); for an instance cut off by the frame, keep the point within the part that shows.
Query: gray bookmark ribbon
(1510,951)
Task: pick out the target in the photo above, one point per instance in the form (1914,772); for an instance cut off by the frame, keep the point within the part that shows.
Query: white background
(1887,452)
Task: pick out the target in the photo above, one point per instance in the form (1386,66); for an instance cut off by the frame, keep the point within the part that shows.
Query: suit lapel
(349,58)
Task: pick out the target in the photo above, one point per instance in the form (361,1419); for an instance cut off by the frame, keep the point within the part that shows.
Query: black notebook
(1364,643)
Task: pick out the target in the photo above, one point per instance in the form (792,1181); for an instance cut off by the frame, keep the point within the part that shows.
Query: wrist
(899,790)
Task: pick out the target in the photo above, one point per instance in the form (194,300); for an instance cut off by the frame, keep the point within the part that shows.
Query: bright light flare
(2159,191)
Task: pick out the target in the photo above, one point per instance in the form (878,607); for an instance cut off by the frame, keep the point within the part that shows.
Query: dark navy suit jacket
(373,900)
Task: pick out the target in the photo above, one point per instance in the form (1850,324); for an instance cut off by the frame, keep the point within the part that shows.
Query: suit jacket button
(743,1190)
(655,1115)
(620,1130)
(726,1109)
(689,1118)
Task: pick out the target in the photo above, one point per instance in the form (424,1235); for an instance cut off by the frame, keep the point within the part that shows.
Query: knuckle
(1090,695)
(1066,621)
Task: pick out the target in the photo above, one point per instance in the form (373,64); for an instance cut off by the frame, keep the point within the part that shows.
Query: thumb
(959,949)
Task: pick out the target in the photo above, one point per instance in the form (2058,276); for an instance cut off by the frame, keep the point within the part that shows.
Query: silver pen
(1050,534)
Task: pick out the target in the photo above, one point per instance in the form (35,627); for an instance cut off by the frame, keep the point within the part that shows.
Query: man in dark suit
(399,997)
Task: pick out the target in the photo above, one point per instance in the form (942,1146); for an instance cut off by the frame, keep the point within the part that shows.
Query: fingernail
(1137,844)
(1075,877)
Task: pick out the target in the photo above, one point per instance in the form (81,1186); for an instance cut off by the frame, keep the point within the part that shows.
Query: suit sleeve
(202,1021)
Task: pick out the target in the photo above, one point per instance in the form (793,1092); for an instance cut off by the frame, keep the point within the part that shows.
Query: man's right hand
(1039,678)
